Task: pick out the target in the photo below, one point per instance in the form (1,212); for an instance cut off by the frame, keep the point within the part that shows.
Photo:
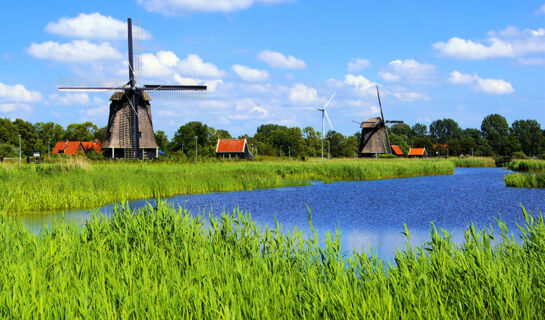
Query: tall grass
(34,188)
(473,162)
(527,165)
(158,263)
(525,180)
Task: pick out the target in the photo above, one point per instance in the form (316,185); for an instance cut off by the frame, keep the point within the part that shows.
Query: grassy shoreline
(530,174)
(159,262)
(80,184)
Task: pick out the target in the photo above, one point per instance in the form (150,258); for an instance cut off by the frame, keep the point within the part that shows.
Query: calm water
(369,214)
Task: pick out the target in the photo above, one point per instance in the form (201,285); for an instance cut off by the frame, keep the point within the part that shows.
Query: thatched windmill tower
(130,129)
(374,135)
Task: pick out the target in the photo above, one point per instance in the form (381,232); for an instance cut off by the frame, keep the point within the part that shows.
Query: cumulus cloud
(358,64)
(361,84)
(302,94)
(278,60)
(75,51)
(408,71)
(18,93)
(248,109)
(194,66)
(508,43)
(405,95)
(249,74)
(489,86)
(69,99)
(161,64)
(93,26)
(176,7)
(541,10)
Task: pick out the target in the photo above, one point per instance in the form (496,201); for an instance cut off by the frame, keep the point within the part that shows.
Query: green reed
(525,180)
(527,165)
(473,162)
(79,184)
(162,263)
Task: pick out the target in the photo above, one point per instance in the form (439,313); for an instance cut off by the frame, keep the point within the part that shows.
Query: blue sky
(265,60)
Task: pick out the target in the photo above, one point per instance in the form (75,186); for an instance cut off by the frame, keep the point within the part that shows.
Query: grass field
(159,263)
(80,184)
(530,174)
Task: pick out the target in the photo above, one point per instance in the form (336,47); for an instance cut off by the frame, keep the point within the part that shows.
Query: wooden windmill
(130,129)
(374,135)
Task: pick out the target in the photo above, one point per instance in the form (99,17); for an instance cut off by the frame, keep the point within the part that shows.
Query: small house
(397,150)
(233,149)
(418,153)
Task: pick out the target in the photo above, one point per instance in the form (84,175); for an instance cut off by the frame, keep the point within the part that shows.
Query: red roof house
(397,150)
(72,147)
(418,152)
(233,148)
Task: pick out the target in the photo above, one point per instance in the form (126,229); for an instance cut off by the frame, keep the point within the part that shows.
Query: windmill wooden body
(130,128)
(375,139)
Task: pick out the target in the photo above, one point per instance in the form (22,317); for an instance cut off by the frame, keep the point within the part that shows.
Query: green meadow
(81,184)
(161,263)
(530,174)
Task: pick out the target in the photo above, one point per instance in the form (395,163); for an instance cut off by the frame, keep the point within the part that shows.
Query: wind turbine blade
(309,108)
(330,125)
(329,101)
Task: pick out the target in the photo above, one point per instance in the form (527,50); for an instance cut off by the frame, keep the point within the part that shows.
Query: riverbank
(530,174)
(161,263)
(80,184)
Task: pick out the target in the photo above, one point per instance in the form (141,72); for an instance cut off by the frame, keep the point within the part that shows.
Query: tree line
(442,137)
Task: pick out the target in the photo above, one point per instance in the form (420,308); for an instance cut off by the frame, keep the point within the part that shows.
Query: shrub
(519,155)
(387,156)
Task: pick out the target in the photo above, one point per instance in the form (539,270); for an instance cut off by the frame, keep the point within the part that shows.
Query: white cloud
(541,10)
(361,84)
(300,93)
(248,109)
(409,96)
(14,107)
(489,86)
(93,26)
(456,77)
(249,74)
(176,7)
(194,66)
(531,61)
(408,71)
(69,99)
(278,60)
(508,43)
(358,64)
(161,64)
(18,93)
(75,51)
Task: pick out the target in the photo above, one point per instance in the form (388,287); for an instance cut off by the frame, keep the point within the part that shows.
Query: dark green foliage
(444,130)
(387,156)
(161,263)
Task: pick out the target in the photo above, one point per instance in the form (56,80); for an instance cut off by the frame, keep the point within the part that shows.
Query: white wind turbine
(324,113)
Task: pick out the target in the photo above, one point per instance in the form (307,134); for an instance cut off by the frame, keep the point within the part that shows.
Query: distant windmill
(374,135)
(130,129)
(324,113)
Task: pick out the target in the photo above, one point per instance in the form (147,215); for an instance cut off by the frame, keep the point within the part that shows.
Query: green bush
(387,156)
(519,155)
(8,150)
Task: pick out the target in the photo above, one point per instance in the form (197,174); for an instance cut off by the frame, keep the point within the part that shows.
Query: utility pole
(48,148)
(328,150)
(472,152)
(19,148)
(280,151)
(289,152)
(196,147)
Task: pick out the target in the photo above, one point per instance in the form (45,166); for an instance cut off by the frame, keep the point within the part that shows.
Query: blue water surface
(368,214)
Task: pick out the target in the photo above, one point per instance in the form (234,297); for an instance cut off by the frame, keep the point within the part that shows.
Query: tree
(401,129)
(28,136)
(81,131)
(494,125)
(529,135)
(400,141)
(444,130)
(337,143)
(162,140)
(184,138)
(419,130)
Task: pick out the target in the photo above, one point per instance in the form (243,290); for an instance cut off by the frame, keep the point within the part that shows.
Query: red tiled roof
(72,147)
(417,151)
(231,145)
(92,146)
(397,150)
